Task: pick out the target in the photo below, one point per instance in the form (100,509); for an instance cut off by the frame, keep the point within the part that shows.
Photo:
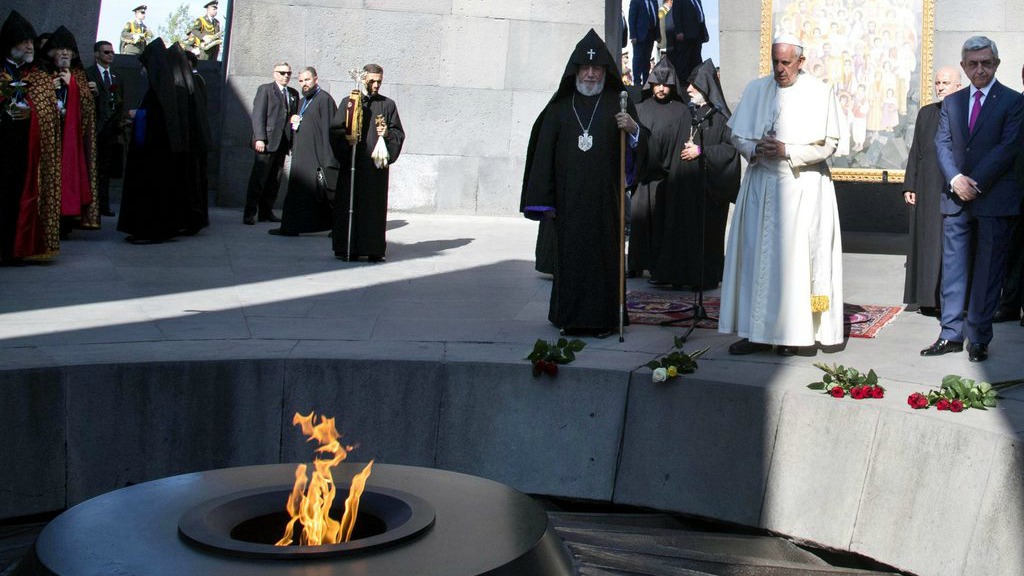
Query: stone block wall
(469,78)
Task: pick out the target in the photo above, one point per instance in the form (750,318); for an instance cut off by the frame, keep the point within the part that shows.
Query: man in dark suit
(977,142)
(643,31)
(272,138)
(691,34)
(106,86)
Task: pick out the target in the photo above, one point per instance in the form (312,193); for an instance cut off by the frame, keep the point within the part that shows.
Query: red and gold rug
(653,308)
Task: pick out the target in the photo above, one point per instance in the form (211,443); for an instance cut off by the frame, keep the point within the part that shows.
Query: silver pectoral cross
(586,141)
(591,53)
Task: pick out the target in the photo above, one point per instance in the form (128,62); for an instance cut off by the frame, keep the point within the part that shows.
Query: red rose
(859,392)
(942,404)
(956,406)
(917,401)
(837,392)
(551,369)
(538,368)
(877,392)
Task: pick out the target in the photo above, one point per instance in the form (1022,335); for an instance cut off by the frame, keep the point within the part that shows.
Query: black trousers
(685,57)
(264,182)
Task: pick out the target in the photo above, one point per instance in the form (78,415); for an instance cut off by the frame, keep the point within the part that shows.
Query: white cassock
(783,279)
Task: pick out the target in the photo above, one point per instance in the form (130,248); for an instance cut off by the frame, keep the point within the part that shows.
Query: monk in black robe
(16,60)
(702,177)
(162,194)
(370,204)
(923,187)
(661,108)
(572,179)
(307,207)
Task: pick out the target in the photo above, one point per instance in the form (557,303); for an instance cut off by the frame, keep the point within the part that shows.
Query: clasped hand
(770,147)
(965,188)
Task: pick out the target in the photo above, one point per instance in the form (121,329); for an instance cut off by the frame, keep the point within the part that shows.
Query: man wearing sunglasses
(106,86)
(135,35)
(275,103)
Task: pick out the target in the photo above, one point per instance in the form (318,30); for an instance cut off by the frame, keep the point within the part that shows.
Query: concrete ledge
(927,492)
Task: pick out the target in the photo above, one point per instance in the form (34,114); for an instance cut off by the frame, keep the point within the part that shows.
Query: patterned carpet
(653,308)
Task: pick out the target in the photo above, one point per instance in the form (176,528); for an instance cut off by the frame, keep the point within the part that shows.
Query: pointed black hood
(664,73)
(590,50)
(62,38)
(705,79)
(15,30)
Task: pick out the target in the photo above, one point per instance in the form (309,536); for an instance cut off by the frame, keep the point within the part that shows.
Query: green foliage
(977,395)
(846,378)
(561,352)
(178,23)
(684,363)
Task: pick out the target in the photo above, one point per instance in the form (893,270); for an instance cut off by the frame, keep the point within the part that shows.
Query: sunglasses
(106,51)
(282,73)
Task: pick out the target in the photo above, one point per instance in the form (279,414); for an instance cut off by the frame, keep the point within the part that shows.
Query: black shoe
(1005,315)
(107,212)
(344,258)
(375,259)
(941,347)
(977,352)
(279,232)
(931,311)
(603,333)
(269,218)
(656,282)
(745,346)
(786,350)
(632,274)
(249,220)
(1022,321)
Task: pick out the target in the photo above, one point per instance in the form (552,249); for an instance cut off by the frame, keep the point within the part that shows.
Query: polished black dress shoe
(786,350)
(375,259)
(269,218)
(941,347)
(1005,315)
(930,311)
(249,220)
(279,232)
(344,257)
(745,346)
(977,352)
(107,212)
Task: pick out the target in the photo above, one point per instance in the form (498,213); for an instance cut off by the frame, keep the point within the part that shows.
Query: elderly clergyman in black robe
(702,177)
(923,187)
(314,167)
(572,180)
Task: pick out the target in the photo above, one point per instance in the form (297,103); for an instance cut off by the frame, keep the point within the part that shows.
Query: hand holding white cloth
(380,154)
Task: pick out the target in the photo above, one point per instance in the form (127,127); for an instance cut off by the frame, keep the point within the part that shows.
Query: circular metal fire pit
(248,523)
(420,521)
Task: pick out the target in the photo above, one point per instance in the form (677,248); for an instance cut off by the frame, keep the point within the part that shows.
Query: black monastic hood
(15,30)
(590,50)
(705,79)
(664,73)
(62,38)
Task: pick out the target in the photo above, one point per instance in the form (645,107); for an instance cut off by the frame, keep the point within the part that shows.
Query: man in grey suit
(106,86)
(271,139)
(977,141)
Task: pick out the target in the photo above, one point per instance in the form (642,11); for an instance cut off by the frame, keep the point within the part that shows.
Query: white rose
(659,375)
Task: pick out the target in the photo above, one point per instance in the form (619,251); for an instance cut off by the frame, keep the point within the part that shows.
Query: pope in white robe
(783,278)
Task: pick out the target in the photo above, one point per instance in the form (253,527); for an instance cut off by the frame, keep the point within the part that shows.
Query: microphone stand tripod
(697,311)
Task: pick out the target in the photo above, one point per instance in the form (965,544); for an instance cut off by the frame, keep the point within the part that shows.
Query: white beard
(698,99)
(583,89)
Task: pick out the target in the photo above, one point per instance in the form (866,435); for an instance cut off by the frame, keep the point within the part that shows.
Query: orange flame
(310,501)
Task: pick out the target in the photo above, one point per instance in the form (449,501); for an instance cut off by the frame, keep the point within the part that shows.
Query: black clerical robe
(306,206)
(584,189)
(656,115)
(370,207)
(685,196)
(925,179)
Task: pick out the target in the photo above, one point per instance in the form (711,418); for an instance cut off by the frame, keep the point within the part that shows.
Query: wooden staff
(623,96)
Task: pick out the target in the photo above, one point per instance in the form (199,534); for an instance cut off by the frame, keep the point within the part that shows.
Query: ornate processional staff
(353,133)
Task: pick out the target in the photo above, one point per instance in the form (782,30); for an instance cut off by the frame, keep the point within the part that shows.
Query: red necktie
(975,110)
